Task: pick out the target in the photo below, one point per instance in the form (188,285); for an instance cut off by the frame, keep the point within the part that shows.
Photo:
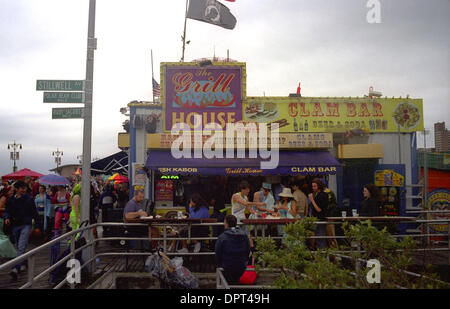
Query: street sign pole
(87,126)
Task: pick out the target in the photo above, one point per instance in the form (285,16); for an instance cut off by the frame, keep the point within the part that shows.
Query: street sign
(67,113)
(63,97)
(61,85)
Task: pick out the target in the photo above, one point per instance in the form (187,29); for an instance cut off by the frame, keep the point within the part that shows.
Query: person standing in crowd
(198,209)
(232,250)
(19,214)
(301,201)
(29,184)
(240,203)
(123,195)
(287,207)
(265,196)
(133,209)
(75,203)
(279,188)
(61,200)
(7,249)
(44,208)
(332,211)
(370,206)
(35,189)
(5,193)
(106,201)
(319,205)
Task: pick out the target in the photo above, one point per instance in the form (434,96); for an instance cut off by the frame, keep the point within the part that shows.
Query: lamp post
(57,154)
(14,154)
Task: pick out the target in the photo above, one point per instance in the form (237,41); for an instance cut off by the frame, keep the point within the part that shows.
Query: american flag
(156,89)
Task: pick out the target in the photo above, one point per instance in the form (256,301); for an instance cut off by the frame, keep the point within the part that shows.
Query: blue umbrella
(53,180)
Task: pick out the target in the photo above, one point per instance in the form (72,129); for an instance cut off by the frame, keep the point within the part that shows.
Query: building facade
(441,137)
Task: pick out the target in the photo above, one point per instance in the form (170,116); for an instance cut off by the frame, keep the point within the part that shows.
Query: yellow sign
(388,178)
(296,114)
(285,141)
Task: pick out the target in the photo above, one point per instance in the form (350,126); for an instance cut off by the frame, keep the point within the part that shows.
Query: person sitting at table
(134,210)
(370,206)
(287,207)
(197,210)
(232,250)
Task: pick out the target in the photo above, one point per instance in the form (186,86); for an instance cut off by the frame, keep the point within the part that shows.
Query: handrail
(93,241)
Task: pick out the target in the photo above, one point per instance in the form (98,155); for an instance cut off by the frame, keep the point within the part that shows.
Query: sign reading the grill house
(214,92)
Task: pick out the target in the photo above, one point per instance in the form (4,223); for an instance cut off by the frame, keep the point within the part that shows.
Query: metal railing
(91,242)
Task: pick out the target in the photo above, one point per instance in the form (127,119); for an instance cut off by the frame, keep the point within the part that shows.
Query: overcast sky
(328,45)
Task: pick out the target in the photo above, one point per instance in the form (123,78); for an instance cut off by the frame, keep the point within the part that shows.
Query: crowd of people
(30,209)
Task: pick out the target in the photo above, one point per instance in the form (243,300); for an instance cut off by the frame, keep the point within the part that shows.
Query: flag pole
(153,90)
(184,33)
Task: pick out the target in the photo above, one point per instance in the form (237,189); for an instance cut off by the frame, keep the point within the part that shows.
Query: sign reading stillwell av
(63,97)
(67,113)
(60,85)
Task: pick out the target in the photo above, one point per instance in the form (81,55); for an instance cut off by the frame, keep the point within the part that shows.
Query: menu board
(390,201)
(164,193)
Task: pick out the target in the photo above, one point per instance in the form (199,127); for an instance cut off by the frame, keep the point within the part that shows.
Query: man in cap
(264,196)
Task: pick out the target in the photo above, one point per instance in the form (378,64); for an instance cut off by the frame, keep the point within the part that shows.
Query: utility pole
(57,154)
(87,130)
(14,154)
(87,126)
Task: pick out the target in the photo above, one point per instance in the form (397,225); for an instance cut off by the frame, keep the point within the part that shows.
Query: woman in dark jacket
(370,207)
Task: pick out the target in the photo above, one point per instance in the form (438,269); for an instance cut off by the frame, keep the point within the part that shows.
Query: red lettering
(182,81)
(227,83)
(351,110)
(293,112)
(364,111)
(377,109)
(332,109)
(303,111)
(317,112)
(217,83)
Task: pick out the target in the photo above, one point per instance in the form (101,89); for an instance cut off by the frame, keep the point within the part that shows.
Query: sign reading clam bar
(336,114)
(214,92)
(284,140)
